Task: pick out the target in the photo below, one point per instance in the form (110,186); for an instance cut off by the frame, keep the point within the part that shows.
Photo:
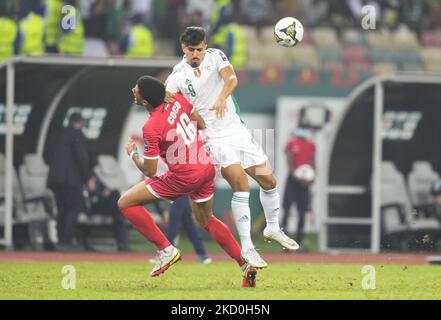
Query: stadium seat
(397,213)
(431,38)
(432,58)
(95,47)
(250,33)
(420,182)
(32,215)
(380,69)
(381,39)
(393,188)
(164,47)
(267,35)
(18,204)
(382,55)
(408,59)
(405,38)
(353,37)
(308,39)
(276,56)
(304,55)
(354,54)
(325,37)
(330,54)
(110,173)
(33,175)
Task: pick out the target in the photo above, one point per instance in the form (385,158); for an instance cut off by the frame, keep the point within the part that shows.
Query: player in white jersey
(207,79)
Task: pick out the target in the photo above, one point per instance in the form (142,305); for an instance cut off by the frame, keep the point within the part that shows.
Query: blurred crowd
(131,27)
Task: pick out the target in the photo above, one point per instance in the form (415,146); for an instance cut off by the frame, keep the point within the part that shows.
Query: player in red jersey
(171,134)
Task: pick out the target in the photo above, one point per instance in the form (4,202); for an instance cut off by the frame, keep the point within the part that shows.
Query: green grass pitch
(220,280)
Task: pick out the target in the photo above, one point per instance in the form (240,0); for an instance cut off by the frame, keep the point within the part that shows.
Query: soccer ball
(305,173)
(288,32)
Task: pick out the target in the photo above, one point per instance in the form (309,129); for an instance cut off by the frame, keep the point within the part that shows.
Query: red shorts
(198,184)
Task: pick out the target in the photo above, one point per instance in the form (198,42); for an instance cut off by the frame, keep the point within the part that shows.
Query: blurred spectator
(104,201)
(8,35)
(118,24)
(287,8)
(227,35)
(138,43)
(52,31)
(222,15)
(96,24)
(434,15)
(257,12)
(231,40)
(200,12)
(300,150)
(68,162)
(313,12)
(142,8)
(172,22)
(72,36)
(31,30)
(341,15)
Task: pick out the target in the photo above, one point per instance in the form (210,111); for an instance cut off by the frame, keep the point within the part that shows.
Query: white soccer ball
(305,173)
(288,32)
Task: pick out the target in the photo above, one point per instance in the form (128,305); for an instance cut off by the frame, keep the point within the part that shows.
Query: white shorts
(238,148)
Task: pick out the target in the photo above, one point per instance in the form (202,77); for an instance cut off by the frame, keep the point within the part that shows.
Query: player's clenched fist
(130,146)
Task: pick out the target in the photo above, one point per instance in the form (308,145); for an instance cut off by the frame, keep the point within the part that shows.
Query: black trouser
(300,194)
(109,206)
(70,201)
(181,214)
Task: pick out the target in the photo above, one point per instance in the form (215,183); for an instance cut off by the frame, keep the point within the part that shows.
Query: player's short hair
(193,36)
(152,90)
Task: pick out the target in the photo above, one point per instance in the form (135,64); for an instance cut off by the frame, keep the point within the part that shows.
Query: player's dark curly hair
(192,36)
(152,90)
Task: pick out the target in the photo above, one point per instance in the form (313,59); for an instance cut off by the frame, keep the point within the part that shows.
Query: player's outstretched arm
(148,167)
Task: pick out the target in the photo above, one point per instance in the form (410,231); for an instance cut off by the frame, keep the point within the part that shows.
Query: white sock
(242,217)
(270,200)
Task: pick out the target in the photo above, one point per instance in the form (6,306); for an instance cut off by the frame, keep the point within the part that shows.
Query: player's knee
(202,219)
(122,202)
(268,182)
(240,184)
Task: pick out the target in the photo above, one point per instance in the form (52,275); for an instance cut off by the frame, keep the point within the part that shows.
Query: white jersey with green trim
(203,91)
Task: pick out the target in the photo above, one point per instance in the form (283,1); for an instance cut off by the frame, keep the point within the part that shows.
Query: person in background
(52,19)
(9,34)
(227,35)
(104,201)
(32,29)
(299,151)
(138,42)
(69,171)
(72,35)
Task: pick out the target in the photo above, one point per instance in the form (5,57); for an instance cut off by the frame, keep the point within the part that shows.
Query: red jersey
(300,151)
(170,134)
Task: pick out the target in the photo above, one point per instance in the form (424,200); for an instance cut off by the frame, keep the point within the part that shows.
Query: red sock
(142,221)
(220,232)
